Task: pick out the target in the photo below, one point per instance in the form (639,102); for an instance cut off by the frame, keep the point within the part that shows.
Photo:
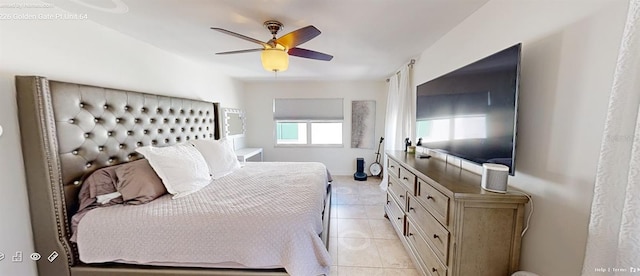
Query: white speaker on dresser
(494,177)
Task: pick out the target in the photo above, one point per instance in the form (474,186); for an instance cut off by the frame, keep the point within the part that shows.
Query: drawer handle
(405,178)
(401,196)
(392,166)
(411,209)
(400,218)
(429,197)
(435,236)
(434,269)
(410,234)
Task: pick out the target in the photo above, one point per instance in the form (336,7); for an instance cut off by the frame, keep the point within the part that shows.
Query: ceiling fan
(275,52)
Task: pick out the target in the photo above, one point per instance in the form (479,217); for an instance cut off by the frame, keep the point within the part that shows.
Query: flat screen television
(471,112)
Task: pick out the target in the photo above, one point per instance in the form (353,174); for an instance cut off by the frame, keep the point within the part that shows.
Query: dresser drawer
(429,260)
(395,214)
(436,202)
(393,167)
(399,192)
(408,179)
(436,235)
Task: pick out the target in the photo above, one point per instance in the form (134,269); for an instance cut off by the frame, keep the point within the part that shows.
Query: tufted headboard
(70,130)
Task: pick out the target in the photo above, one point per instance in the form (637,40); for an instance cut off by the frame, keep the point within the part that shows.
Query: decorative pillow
(181,167)
(219,155)
(100,182)
(138,182)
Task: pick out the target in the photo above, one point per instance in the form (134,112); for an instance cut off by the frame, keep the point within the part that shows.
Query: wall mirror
(233,122)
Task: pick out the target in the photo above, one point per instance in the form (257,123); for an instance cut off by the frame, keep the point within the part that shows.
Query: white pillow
(181,167)
(220,156)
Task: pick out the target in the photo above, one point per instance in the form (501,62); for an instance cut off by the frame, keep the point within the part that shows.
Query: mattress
(263,215)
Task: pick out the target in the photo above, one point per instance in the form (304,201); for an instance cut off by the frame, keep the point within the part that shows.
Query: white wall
(340,161)
(83,52)
(568,57)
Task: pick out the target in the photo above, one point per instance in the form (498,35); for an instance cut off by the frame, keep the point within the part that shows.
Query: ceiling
(369,39)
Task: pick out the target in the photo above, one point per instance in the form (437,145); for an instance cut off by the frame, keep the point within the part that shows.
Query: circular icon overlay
(35,256)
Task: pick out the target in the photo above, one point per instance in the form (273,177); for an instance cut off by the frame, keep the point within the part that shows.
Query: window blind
(308,109)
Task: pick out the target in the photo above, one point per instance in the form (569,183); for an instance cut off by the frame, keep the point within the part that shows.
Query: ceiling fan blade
(239,51)
(304,53)
(265,45)
(298,37)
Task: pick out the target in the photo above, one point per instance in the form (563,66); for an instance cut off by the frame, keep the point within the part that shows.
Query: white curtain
(401,114)
(613,242)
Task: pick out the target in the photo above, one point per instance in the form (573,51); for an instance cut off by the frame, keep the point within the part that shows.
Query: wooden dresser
(447,223)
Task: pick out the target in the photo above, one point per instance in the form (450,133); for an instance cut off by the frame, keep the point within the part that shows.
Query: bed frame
(70,130)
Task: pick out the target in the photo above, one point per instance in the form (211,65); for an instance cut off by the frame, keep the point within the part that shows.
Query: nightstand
(246,153)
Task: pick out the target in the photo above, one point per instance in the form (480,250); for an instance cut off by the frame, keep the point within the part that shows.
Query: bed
(71,130)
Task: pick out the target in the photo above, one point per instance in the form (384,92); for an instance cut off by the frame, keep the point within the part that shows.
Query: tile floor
(362,241)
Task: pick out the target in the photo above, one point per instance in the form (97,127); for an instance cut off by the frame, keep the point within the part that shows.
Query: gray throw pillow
(100,182)
(138,182)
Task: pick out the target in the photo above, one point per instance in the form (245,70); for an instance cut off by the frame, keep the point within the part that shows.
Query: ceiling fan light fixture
(275,52)
(275,60)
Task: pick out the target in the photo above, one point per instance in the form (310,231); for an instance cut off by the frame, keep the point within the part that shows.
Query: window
(326,133)
(305,122)
(291,133)
(309,133)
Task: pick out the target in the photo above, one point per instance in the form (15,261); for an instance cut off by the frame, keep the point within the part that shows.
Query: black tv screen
(471,112)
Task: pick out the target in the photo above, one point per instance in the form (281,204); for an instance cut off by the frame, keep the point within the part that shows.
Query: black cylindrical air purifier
(360,175)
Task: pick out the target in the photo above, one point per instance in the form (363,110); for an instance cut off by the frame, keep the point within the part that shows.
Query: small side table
(246,153)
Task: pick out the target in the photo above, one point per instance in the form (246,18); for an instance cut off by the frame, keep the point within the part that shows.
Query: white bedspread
(264,215)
